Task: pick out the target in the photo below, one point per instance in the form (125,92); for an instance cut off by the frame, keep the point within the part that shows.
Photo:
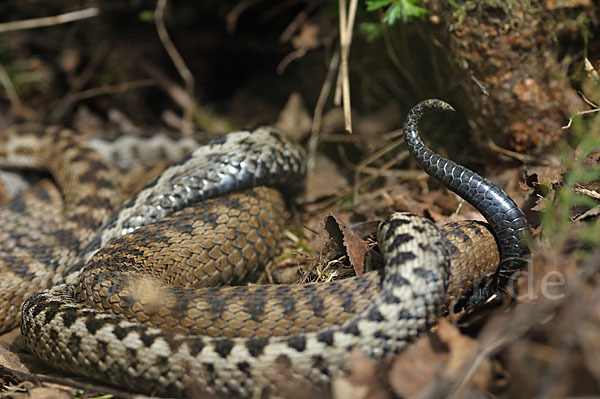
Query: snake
(121,290)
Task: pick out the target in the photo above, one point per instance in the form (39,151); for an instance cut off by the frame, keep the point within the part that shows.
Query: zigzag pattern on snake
(241,337)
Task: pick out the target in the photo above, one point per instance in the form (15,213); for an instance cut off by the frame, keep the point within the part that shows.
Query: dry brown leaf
(308,37)
(462,347)
(544,175)
(9,360)
(294,118)
(415,368)
(325,181)
(364,382)
(355,246)
(340,238)
(10,337)
(590,341)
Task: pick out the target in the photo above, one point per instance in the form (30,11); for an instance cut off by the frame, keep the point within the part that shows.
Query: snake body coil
(244,340)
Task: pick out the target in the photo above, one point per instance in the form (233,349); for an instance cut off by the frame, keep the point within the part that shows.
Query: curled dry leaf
(341,239)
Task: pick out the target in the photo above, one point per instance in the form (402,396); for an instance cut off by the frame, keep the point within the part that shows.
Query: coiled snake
(144,262)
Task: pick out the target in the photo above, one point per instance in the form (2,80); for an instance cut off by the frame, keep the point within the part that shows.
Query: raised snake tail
(504,216)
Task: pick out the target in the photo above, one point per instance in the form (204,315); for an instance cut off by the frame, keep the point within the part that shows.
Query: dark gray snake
(378,313)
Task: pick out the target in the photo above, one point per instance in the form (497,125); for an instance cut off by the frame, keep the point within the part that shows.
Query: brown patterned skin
(36,244)
(474,254)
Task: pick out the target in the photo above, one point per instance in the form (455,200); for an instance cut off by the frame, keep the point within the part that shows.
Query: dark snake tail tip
(430,105)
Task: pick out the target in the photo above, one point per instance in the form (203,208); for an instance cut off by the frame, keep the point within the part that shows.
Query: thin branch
(184,72)
(67,102)
(516,155)
(204,117)
(17,106)
(9,88)
(236,11)
(318,114)
(38,379)
(49,21)
(346,23)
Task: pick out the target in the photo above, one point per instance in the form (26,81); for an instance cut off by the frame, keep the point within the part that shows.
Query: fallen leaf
(294,118)
(463,347)
(10,360)
(364,381)
(340,239)
(415,368)
(325,181)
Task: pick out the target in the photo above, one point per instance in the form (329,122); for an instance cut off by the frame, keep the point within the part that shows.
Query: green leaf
(371,30)
(397,9)
(146,16)
(373,5)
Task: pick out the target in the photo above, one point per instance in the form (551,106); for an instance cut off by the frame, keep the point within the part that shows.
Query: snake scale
(124,303)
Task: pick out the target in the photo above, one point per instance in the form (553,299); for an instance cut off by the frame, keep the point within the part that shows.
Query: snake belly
(242,341)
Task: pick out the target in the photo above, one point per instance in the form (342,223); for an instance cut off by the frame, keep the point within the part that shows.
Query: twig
(406,174)
(516,155)
(184,72)
(37,379)
(9,88)
(346,27)
(588,111)
(376,155)
(67,102)
(204,117)
(49,21)
(18,108)
(318,114)
(236,11)
(297,22)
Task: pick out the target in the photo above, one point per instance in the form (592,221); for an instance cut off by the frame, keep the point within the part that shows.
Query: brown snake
(148,258)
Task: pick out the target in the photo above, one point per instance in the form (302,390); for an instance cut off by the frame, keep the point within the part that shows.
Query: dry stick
(318,115)
(37,379)
(337,97)
(184,72)
(589,111)
(9,88)
(204,116)
(358,183)
(376,155)
(236,11)
(71,99)
(297,22)
(346,26)
(516,155)
(49,21)
(63,105)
